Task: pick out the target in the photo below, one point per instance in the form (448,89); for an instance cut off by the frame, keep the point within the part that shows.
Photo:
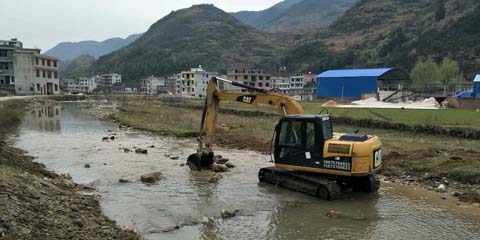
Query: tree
(426,74)
(450,71)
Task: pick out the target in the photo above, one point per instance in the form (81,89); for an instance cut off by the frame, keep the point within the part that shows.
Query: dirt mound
(330,103)
(234,140)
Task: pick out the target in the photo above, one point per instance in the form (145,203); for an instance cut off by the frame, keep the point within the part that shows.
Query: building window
(49,74)
(49,63)
(38,87)
(55,63)
(260,84)
(56,88)
(3,53)
(267,77)
(43,62)
(55,74)
(245,77)
(267,84)
(44,74)
(260,77)
(36,61)
(38,73)
(236,77)
(254,78)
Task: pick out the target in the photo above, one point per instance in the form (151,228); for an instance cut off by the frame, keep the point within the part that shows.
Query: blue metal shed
(355,82)
(476,86)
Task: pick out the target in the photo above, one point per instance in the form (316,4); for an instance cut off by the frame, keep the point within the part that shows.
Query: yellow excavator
(308,156)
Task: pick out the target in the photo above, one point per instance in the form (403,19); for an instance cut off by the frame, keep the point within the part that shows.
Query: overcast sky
(45,23)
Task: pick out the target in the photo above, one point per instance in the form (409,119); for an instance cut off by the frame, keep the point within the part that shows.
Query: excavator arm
(278,103)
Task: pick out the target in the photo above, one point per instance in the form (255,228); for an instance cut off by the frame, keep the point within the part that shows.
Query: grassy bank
(38,204)
(424,157)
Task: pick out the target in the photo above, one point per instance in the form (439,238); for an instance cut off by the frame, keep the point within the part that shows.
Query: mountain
(71,50)
(200,35)
(294,15)
(382,33)
(77,67)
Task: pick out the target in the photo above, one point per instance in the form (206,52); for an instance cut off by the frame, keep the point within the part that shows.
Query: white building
(81,85)
(281,84)
(108,79)
(153,85)
(296,85)
(194,82)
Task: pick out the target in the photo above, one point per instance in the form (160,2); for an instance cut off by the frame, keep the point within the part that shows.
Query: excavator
(308,156)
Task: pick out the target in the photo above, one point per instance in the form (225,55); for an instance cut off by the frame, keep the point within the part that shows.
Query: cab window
(291,133)
(327,128)
(310,135)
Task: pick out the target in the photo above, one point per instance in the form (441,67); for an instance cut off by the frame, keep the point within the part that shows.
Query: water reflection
(44,118)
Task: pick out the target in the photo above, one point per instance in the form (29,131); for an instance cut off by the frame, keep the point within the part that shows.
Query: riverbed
(184,205)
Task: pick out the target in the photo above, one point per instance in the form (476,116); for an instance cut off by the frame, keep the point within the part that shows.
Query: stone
(151,177)
(228,214)
(334,214)
(86,165)
(151,146)
(182,165)
(220,168)
(126,150)
(441,188)
(174,157)
(455,194)
(141,151)
(215,178)
(112,138)
(229,165)
(105,139)
(121,180)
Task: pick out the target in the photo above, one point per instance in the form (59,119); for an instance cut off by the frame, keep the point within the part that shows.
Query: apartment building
(153,85)
(25,71)
(7,77)
(281,85)
(194,82)
(297,83)
(109,79)
(251,77)
(81,85)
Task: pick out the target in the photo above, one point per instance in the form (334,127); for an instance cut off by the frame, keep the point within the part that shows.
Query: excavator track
(367,184)
(312,185)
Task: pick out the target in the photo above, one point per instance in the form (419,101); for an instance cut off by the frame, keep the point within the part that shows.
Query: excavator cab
(300,139)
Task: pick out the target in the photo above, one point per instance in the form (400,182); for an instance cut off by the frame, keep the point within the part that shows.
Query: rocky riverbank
(39,204)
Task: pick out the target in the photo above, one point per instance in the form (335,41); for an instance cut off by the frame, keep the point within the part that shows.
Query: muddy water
(65,139)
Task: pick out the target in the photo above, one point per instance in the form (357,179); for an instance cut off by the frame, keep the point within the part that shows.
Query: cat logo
(249,99)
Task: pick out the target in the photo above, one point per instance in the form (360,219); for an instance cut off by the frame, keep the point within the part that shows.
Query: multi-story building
(153,85)
(281,85)
(25,71)
(109,79)
(7,77)
(174,84)
(81,85)
(297,83)
(251,77)
(194,82)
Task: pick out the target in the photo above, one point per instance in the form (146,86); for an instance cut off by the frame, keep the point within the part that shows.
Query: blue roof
(477,78)
(373,72)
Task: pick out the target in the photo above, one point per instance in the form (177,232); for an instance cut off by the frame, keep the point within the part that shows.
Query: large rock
(151,177)
(215,178)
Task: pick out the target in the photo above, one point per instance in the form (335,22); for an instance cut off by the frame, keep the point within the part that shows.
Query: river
(184,205)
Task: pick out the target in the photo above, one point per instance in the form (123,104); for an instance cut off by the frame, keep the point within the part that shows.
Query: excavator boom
(277,103)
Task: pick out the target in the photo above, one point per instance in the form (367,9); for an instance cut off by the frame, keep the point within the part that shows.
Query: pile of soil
(38,204)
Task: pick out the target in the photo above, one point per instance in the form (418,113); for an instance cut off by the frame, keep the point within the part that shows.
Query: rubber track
(374,182)
(311,183)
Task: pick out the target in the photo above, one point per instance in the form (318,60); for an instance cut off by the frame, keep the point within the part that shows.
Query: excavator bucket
(200,161)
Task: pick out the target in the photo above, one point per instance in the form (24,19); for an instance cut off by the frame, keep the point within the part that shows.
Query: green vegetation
(77,67)
(427,74)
